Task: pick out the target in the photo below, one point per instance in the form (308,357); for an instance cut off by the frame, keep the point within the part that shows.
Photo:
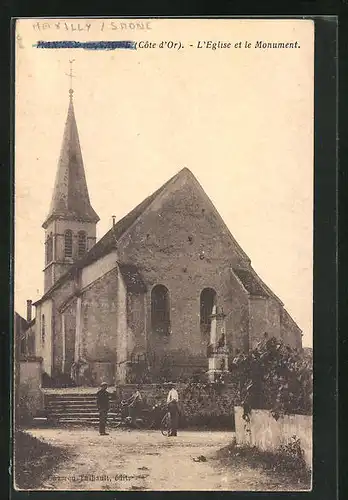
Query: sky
(241,119)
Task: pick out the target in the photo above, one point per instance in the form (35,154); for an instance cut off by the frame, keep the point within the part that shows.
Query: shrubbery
(201,404)
(206,404)
(274,377)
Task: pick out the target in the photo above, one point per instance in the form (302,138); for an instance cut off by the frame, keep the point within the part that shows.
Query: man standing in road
(173,408)
(103,402)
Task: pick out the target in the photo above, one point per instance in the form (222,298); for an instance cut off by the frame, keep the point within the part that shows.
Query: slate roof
(250,283)
(132,278)
(70,197)
(21,324)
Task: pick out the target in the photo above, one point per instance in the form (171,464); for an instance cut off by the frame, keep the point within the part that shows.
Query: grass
(34,460)
(289,470)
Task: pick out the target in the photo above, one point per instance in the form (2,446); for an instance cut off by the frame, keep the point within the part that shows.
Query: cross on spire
(71,76)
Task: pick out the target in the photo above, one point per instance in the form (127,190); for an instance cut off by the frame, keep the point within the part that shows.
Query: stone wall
(290,332)
(70,333)
(99,319)
(182,243)
(268,434)
(265,317)
(30,397)
(60,296)
(44,349)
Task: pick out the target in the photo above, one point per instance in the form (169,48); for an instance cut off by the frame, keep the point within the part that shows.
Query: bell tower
(70,226)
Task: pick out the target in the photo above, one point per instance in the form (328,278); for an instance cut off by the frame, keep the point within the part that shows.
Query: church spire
(70,199)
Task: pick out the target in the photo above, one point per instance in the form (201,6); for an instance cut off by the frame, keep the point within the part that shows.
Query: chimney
(114,220)
(29,306)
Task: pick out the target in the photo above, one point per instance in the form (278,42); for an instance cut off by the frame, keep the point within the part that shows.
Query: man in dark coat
(103,402)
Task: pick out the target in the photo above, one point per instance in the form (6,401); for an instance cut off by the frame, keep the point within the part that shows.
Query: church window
(207,302)
(43,330)
(160,310)
(68,243)
(82,243)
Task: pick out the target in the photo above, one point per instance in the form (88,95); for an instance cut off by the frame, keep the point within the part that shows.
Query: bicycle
(165,424)
(147,418)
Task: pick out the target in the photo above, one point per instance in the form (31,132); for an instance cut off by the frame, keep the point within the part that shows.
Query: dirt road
(145,460)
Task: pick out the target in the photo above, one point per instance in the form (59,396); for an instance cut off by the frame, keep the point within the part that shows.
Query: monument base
(218,365)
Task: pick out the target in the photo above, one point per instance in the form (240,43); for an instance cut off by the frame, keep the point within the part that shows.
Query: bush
(274,377)
(208,405)
(201,404)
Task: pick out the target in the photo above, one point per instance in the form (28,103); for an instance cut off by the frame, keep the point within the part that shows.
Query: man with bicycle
(173,409)
(134,404)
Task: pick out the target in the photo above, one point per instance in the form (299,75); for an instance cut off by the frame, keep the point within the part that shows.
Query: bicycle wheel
(165,424)
(151,424)
(118,424)
(140,423)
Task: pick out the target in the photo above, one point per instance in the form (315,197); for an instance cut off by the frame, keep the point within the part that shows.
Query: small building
(27,368)
(24,333)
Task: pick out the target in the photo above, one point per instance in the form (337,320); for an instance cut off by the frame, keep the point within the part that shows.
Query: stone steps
(77,409)
(75,404)
(80,411)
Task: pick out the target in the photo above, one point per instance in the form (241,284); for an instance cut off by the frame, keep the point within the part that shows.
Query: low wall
(30,397)
(202,405)
(267,433)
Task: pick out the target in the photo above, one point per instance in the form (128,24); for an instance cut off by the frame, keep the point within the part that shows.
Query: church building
(166,293)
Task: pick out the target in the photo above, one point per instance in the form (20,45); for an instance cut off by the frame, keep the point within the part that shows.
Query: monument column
(218,351)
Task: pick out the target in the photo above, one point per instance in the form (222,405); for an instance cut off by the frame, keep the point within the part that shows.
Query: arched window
(160,310)
(82,243)
(43,330)
(207,302)
(68,243)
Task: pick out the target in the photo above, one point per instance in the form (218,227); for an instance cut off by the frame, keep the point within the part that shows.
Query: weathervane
(71,91)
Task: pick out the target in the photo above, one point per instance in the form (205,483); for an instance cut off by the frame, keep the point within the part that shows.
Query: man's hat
(103,384)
